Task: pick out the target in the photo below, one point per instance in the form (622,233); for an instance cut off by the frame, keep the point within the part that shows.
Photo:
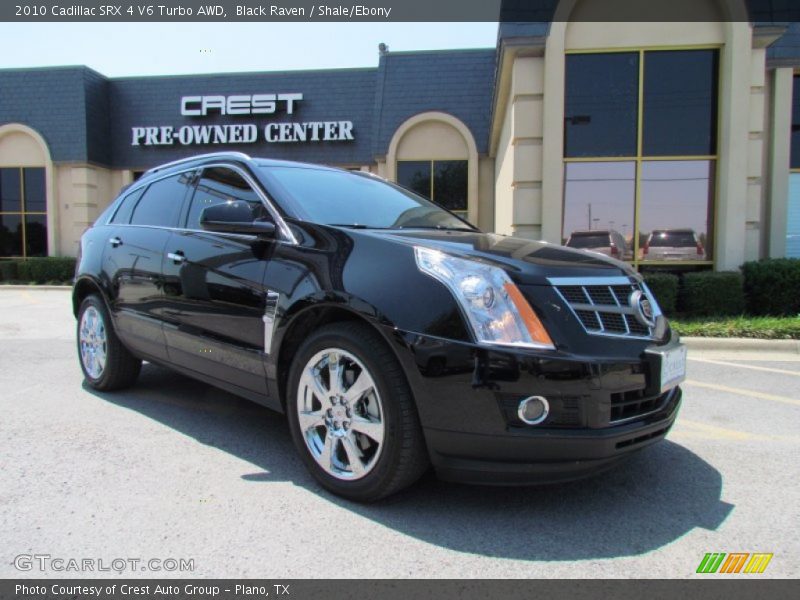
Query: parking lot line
(753,367)
(743,392)
(687,428)
(697,429)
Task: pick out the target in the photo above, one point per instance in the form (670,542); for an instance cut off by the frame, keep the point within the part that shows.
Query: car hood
(526,261)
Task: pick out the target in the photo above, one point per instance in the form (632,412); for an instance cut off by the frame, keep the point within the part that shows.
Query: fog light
(533,410)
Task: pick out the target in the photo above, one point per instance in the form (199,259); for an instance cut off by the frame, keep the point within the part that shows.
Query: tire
(106,364)
(368,435)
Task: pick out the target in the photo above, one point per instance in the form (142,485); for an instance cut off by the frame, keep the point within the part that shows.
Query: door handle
(115,241)
(176,257)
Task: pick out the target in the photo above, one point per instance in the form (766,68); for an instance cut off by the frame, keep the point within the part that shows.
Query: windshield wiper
(437,227)
(354,226)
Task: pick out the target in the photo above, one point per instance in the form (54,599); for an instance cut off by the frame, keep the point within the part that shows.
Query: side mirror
(234,216)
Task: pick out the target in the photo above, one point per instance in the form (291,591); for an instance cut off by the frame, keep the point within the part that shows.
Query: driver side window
(218,185)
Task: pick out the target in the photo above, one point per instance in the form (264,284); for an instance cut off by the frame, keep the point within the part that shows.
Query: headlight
(497,311)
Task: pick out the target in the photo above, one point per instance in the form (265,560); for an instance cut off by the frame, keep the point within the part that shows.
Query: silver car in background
(605,241)
(673,244)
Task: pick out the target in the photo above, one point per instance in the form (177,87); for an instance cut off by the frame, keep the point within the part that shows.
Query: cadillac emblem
(642,308)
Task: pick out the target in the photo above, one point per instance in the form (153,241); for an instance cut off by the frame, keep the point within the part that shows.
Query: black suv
(393,334)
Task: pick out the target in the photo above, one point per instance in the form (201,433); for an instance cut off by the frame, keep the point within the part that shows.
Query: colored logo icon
(735,562)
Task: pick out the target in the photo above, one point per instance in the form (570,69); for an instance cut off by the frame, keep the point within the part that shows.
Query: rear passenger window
(161,203)
(125,208)
(219,185)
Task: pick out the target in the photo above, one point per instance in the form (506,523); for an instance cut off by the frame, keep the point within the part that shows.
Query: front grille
(602,305)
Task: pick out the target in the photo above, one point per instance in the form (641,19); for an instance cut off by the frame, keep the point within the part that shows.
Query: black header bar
(761,11)
(740,588)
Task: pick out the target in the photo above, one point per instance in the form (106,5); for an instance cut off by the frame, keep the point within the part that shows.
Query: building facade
(675,137)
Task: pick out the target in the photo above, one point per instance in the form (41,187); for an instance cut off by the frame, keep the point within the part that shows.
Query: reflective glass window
(35,235)
(443,181)
(10,190)
(35,194)
(336,197)
(23,211)
(600,197)
(125,209)
(602,96)
(416,176)
(795,157)
(680,103)
(161,203)
(675,221)
(10,235)
(450,184)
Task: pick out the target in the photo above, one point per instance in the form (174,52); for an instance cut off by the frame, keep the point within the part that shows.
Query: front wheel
(106,364)
(352,416)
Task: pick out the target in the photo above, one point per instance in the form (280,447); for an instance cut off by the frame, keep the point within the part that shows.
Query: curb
(742,344)
(35,287)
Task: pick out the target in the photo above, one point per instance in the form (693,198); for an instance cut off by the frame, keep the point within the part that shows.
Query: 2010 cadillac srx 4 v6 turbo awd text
(393,334)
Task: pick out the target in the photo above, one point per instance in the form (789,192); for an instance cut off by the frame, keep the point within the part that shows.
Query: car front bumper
(602,410)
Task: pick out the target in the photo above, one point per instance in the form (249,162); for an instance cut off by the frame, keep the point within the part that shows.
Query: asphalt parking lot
(175,469)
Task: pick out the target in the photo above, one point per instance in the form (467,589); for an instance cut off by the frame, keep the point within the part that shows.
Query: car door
(215,288)
(139,233)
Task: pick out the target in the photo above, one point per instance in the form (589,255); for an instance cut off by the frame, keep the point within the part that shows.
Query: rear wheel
(106,364)
(351,414)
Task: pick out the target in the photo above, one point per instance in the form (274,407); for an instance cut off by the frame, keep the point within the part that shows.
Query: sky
(129,49)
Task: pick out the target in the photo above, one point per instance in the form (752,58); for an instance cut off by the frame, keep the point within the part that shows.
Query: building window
(794,161)
(23,212)
(640,150)
(793,206)
(442,181)
(600,197)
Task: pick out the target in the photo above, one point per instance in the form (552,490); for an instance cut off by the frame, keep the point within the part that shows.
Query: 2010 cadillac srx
(393,334)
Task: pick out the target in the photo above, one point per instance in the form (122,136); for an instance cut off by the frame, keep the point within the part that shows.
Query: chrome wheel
(93,342)
(340,414)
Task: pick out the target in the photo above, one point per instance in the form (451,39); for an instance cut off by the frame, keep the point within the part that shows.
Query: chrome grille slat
(601,305)
(608,308)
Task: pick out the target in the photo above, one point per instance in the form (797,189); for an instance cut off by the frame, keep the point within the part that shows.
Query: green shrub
(24,270)
(665,288)
(8,270)
(707,293)
(52,268)
(772,286)
(45,269)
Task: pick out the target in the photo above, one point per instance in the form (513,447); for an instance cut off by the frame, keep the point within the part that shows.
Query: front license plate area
(670,366)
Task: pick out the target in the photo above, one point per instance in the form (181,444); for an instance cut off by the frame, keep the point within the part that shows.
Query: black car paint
(203,316)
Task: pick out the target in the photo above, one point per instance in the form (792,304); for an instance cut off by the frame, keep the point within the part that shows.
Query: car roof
(592,232)
(274,162)
(236,157)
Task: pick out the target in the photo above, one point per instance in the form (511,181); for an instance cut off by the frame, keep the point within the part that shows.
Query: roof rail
(180,161)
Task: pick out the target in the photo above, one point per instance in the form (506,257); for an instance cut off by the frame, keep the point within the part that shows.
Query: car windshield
(673,239)
(332,197)
(588,240)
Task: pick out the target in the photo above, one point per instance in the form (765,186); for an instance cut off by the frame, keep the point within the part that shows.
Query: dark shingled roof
(56,102)
(458,82)
(85,116)
(787,48)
